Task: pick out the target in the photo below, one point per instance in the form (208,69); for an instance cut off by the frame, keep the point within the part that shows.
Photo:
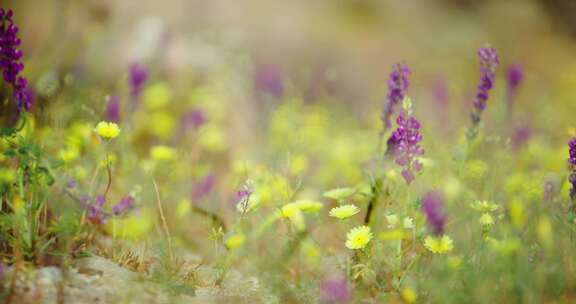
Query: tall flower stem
(109,171)
(163,220)
(488,62)
(376,191)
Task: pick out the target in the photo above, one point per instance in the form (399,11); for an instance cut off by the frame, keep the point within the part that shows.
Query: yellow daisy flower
(358,237)
(440,244)
(107,130)
(409,295)
(344,211)
(486,219)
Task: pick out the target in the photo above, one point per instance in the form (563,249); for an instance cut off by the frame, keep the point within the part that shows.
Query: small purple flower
(10,61)
(397,86)
(2,270)
(138,76)
(572,166)
(71,184)
(113,108)
(404,145)
(123,206)
(95,212)
(194,119)
(336,290)
(203,188)
(488,63)
(432,207)
(243,196)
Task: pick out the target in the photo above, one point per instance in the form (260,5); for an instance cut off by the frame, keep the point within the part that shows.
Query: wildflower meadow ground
(354,151)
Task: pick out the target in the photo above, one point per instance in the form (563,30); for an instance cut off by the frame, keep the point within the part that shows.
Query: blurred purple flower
(71,184)
(138,75)
(488,63)
(113,108)
(440,93)
(10,61)
(123,206)
(194,118)
(268,79)
(336,290)
(432,207)
(515,76)
(404,145)
(202,188)
(520,137)
(2,271)
(95,212)
(572,166)
(397,86)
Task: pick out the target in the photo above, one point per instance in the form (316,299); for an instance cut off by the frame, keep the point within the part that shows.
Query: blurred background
(342,48)
(288,95)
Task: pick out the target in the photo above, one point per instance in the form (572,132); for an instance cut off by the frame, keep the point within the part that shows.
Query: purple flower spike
(432,207)
(95,212)
(138,77)
(488,63)
(515,76)
(123,206)
(572,166)
(113,109)
(404,145)
(397,86)
(10,61)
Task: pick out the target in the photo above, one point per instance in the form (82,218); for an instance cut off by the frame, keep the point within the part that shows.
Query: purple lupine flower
(138,75)
(432,207)
(336,290)
(123,206)
(10,61)
(488,63)
(95,212)
(397,86)
(203,188)
(113,108)
(515,76)
(404,145)
(572,166)
(194,118)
